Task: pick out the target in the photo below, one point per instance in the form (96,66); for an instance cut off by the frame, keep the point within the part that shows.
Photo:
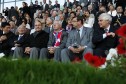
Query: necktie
(106,30)
(111,13)
(19,37)
(78,37)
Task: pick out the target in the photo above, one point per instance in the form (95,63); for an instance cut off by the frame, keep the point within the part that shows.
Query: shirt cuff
(104,35)
(85,47)
(69,47)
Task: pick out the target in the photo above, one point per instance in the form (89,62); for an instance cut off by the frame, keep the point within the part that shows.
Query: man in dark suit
(104,38)
(6,38)
(56,5)
(36,6)
(20,42)
(76,3)
(119,19)
(12,12)
(120,3)
(67,4)
(79,41)
(37,40)
(50,5)
(45,6)
(25,9)
(57,42)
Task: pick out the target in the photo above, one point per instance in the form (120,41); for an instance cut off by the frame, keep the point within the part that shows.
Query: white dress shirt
(104,35)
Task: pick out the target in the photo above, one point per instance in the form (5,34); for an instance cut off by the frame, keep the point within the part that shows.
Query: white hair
(59,22)
(105,16)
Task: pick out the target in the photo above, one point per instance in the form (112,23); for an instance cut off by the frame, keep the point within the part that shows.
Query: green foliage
(43,72)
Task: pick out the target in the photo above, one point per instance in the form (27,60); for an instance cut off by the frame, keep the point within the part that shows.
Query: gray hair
(51,19)
(106,16)
(60,23)
(21,26)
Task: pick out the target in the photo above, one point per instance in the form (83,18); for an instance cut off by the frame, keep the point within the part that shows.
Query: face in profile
(74,22)
(103,23)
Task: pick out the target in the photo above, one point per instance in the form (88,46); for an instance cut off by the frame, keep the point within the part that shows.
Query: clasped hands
(77,50)
(111,34)
(51,50)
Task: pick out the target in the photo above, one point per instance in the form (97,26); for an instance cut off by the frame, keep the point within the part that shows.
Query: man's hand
(111,34)
(77,50)
(16,45)
(51,50)
(2,38)
(81,48)
(27,50)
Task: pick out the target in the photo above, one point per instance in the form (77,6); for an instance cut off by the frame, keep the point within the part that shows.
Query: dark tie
(78,37)
(111,13)
(106,30)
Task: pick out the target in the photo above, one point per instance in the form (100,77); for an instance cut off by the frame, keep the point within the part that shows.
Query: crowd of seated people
(43,31)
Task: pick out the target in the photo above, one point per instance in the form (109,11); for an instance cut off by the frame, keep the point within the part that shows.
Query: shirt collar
(21,35)
(51,26)
(108,28)
(3,32)
(81,28)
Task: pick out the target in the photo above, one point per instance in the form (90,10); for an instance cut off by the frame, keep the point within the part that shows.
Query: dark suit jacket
(36,7)
(13,12)
(76,3)
(64,24)
(63,39)
(6,45)
(69,6)
(122,20)
(23,41)
(106,43)
(56,6)
(26,9)
(39,41)
(46,7)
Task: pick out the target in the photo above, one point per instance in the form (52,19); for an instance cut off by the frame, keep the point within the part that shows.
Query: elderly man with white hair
(57,41)
(104,37)
(20,42)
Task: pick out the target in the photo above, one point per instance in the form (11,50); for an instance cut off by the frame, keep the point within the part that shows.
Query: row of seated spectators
(61,34)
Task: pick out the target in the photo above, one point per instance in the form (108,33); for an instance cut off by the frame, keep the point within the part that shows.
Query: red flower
(122,31)
(121,48)
(94,60)
(121,40)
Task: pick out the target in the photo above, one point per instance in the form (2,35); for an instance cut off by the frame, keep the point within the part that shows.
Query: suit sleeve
(90,44)
(69,40)
(50,42)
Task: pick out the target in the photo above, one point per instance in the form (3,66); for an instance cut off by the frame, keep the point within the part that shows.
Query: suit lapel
(53,38)
(75,34)
(111,29)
